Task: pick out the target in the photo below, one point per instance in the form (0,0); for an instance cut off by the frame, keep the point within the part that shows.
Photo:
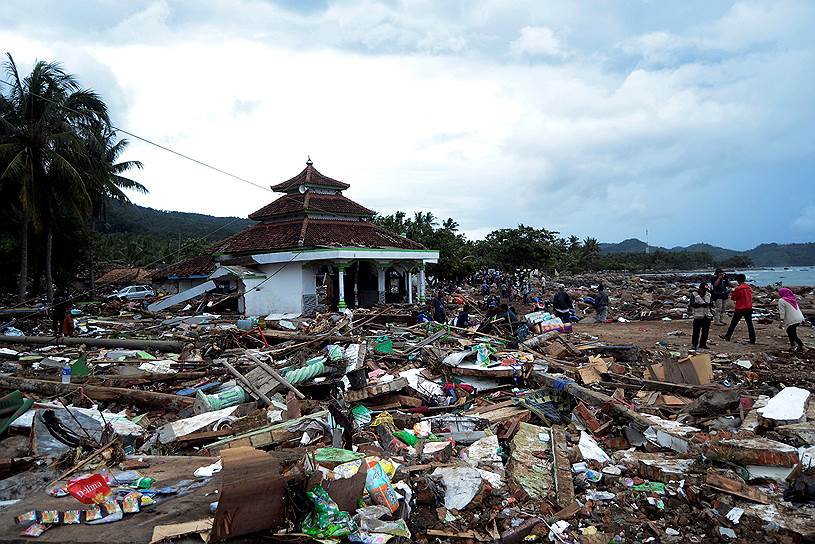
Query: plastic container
(358,378)
(66,372)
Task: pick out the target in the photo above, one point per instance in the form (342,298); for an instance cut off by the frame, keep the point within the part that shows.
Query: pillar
(356,286)
(341,276)
(422,293)
(409,277)
(381,269)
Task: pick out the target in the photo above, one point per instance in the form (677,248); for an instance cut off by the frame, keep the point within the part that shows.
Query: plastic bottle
(66,372)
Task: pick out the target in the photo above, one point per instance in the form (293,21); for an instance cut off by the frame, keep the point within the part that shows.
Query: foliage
(456,259)
(58,165)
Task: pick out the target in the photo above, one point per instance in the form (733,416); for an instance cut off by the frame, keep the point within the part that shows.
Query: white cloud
(459,108)
(539,41)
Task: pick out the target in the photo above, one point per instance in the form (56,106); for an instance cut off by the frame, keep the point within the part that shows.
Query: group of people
(708,303)
(564,307)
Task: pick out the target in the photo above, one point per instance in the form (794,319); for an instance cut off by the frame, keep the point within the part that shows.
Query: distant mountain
(169,225)
(632,245)
(762,255)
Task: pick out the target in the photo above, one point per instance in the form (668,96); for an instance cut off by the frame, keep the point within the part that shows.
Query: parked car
(134,292)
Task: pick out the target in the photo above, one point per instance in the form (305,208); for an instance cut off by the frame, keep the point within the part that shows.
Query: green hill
(762,255)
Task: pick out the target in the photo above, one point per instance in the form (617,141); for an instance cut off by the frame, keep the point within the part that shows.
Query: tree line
(528,248)
(60,169)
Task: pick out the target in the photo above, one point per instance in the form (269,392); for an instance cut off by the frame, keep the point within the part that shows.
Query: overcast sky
(694,119)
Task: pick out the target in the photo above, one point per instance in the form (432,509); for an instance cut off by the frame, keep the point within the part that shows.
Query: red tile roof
(311,202)
(309,177)
(202,265)
(312,233)
(121,276)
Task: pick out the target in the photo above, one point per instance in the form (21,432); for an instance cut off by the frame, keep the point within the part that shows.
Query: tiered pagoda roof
(313,213)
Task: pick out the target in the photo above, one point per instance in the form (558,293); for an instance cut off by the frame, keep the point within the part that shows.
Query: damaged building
(312,236)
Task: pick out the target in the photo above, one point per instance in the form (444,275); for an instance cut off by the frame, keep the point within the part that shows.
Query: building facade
(313,247)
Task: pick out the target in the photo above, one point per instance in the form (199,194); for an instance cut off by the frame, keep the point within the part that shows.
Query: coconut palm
(45,120)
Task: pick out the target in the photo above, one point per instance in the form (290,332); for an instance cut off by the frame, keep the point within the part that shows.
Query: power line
(174,152)
(168,149)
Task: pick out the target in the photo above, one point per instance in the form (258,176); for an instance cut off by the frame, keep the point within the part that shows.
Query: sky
(692,119)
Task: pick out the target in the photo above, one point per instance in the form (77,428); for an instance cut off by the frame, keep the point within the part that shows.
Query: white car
(134,292)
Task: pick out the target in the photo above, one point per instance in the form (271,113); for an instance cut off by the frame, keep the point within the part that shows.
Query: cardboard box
(693,370)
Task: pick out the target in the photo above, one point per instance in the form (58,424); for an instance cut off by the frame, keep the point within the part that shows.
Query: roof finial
(308,162)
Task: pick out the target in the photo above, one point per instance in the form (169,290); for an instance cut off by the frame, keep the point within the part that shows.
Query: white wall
(282,293)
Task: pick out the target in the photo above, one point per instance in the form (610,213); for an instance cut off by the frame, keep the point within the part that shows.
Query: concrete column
(380,281)
(356,287)
(341,275)
(422,293)
(409,276)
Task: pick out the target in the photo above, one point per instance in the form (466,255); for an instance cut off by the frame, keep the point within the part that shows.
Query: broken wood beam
(246,383)
(123,343)
(274,374)
(95,392)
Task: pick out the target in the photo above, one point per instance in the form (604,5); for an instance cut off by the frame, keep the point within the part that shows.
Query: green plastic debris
(327,520)
(145,355)
(650,487)
(336,455)
(406,437)
(80,368)
(12,406)
(335,353)
(362,415)
(383,345)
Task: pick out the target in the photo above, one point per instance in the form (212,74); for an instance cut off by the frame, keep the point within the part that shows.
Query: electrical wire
(169,150)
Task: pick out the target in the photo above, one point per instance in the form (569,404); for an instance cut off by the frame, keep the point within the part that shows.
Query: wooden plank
(735,487)
(373,390)
(564,485)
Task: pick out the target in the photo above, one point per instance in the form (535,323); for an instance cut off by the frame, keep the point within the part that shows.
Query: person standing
(439,313)
(58,312)
(791,316)
(463,319)
(720,294)
(562,303)
(702,309)
(601,304)
(743,297)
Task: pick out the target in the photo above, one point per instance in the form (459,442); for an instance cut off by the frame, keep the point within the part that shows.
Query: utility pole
(647,244)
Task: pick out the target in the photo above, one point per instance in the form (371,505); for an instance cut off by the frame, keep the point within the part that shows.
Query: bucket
(358,378)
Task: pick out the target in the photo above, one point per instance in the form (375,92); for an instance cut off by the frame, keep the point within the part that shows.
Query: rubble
(368,426)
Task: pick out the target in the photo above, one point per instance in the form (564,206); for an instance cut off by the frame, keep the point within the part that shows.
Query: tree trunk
(91,259)
(49,280)
(23,282)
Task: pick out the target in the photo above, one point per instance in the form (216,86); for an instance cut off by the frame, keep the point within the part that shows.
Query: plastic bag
(379,487)
(91,490)
(327,520)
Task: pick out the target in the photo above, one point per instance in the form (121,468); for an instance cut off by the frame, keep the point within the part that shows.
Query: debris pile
(368,426)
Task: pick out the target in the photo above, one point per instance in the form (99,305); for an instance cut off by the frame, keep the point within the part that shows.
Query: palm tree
(105,178)
(44,123)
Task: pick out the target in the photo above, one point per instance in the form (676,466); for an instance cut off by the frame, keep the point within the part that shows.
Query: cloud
(595,123)
(539,40)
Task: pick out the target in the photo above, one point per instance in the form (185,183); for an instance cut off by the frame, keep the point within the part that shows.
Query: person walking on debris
(791,316)
(743,297)
(601,304)
(702,309)
(439,313)
(562,304)
(720,294)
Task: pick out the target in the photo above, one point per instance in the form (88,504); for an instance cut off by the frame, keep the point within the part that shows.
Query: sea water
(794,275)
